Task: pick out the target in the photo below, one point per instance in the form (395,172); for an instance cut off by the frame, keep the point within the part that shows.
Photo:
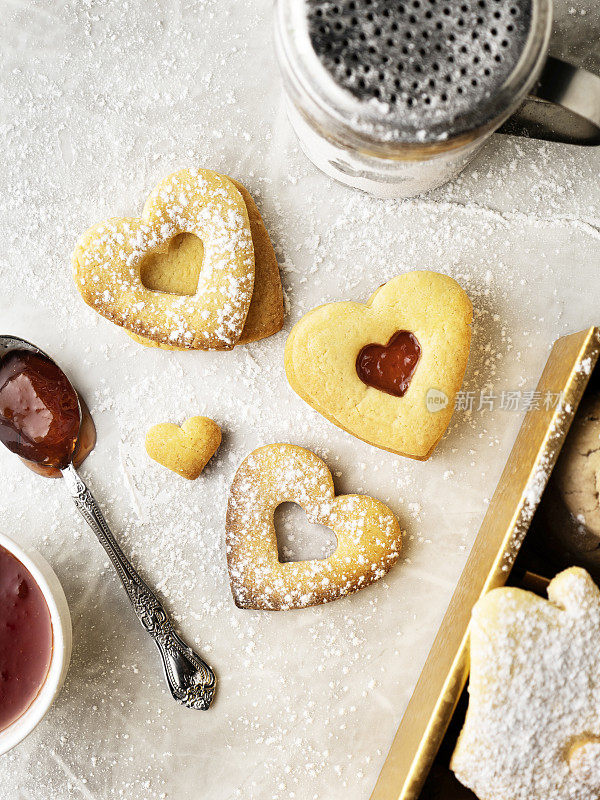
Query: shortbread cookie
(108,260)
(178,274)
(569,515)
(369,538)
(532,730)
(388,371)
(185,450)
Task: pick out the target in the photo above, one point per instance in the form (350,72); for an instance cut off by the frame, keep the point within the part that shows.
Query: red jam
(85,444)
(25,639)
(39,409)
(390,367)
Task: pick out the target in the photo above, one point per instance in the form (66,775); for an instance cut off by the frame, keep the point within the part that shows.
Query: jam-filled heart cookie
(379,370)
(532,730)
(369,538)
(176,270)
(109,258)
(185,450)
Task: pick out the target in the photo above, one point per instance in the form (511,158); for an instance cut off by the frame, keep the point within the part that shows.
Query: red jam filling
(39,409)
(390,367)
(25,639)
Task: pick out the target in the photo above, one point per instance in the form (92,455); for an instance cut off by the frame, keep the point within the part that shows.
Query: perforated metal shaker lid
(419,70)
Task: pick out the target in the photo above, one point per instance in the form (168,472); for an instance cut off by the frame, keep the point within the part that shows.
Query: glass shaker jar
(395,98)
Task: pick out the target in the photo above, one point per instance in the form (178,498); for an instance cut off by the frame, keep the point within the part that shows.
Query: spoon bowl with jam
(42,421)
(40,412)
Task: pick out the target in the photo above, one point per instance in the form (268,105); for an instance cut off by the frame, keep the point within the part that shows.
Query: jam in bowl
(35,641)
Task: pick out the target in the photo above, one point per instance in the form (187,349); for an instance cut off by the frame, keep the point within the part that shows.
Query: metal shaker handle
(564,106)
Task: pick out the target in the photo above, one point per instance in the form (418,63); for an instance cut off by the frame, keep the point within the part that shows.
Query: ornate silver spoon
(40,421)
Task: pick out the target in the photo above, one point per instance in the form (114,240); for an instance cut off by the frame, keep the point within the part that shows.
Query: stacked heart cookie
(196,271)
(388,371)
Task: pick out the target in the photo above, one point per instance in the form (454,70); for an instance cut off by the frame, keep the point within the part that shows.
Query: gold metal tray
(443,678)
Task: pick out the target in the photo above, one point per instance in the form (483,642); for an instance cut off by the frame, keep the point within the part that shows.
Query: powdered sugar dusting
(108,259)
(369,537)
(533,724)
(101,100)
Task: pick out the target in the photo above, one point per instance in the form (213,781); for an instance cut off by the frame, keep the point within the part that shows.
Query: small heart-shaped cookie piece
(371,369)
(185,450)
(368,534)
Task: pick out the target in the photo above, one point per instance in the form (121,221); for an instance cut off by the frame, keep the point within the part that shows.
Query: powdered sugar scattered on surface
(98,102)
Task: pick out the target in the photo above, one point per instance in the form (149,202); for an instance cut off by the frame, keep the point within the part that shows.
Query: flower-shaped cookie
(532,730)
(388,371)
(108,259)
(369,538)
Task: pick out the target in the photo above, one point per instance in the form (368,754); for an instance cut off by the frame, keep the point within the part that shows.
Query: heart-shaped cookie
(179,274)
(109,256)
(369,538)
(185,450)
(371,369)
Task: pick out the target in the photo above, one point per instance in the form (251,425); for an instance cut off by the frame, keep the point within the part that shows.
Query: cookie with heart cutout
(176,270)
(387,371)
(109,257)
(185,450)
(369,538)
(532,730)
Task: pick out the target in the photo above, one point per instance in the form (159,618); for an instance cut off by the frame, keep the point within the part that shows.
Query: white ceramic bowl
(60,617)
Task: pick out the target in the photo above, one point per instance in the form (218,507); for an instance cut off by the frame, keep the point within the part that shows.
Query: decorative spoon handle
(191,681)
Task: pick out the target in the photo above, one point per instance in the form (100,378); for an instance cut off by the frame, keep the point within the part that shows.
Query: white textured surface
(98,101)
